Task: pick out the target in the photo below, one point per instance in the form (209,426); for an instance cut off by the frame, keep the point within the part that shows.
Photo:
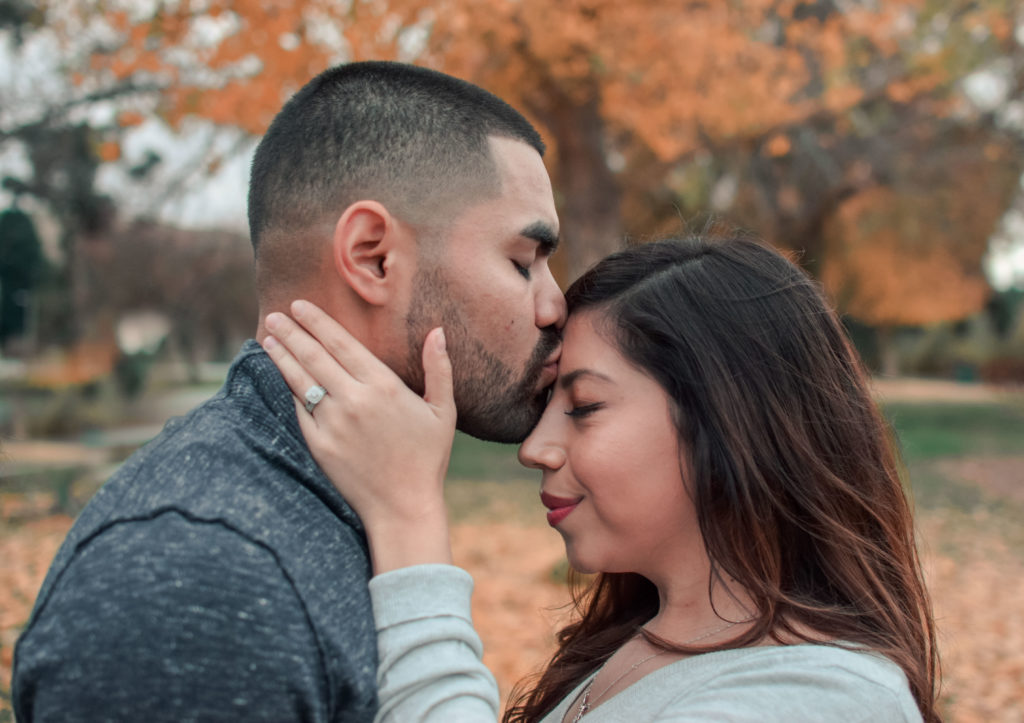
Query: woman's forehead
(587,344)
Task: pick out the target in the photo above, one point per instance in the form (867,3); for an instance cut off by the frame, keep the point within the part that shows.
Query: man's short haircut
(413,139)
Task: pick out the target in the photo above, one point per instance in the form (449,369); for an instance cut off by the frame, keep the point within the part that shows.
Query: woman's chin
(581,564)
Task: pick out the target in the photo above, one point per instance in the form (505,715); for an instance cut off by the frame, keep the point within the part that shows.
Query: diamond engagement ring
(314,395)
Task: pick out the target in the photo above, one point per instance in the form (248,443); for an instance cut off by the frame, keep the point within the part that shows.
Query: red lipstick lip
(560,507)
(557,515)
(553,503)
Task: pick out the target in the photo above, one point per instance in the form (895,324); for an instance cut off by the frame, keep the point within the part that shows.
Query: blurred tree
(64,163)
(21,268)
(1007,311)
(202,282)
(909,253)
(631,96)
(15,15)
(54,127)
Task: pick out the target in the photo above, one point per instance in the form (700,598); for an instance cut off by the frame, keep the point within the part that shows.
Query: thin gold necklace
(587,702)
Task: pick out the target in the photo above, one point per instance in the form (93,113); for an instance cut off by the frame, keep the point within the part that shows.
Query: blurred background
(880,142)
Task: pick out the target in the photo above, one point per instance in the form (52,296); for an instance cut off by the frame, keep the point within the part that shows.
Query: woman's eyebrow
(568,379)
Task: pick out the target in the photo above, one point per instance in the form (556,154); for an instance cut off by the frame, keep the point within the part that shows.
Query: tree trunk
(888,351)
(588,193)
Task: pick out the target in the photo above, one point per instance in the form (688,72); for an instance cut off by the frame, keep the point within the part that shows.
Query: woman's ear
(368,241)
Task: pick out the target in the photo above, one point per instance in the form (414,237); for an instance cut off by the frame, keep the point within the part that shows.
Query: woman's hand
(384,447)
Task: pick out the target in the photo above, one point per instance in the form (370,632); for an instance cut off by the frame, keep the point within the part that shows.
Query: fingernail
(299,308)
(273,320)
(442,344)
(269,343)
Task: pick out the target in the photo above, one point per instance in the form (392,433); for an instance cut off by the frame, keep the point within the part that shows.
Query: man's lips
(549,371)
(559,507)
(555,356)
(548,375)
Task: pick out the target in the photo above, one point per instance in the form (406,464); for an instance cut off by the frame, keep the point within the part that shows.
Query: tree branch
(54,112)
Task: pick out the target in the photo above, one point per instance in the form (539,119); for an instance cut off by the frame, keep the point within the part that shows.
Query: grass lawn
(931,430)
(967,460)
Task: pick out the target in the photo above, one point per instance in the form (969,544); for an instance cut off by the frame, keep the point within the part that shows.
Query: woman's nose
(541,450)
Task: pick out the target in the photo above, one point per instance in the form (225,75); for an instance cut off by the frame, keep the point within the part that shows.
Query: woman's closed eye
(579,411)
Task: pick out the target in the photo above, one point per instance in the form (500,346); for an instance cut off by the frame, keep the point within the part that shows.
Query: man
(218,575)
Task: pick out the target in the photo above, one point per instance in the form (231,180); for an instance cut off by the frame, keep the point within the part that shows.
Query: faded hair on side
(412,138)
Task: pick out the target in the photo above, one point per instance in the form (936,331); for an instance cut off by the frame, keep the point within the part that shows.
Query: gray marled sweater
(218,576)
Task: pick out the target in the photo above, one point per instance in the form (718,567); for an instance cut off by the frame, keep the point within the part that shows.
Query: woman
(712,451)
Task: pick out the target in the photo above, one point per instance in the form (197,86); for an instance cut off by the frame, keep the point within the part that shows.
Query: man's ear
(367,242)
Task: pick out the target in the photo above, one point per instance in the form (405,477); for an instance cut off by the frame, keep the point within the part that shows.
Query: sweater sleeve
(169,619)
(430,656)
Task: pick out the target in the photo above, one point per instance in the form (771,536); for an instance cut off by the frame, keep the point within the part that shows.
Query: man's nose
(551,310)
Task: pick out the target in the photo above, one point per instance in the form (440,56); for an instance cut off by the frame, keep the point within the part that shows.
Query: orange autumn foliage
(891,270)
(779,145)
(910,253)
(664,70)
(127,119)
(83,363)
(109,151)
(607,81)
(884,283)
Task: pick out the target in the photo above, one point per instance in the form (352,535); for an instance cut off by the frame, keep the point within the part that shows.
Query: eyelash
(583,410)
(524,271)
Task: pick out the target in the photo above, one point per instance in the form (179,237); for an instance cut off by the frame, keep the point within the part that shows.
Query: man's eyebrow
(543,234)
(567,380)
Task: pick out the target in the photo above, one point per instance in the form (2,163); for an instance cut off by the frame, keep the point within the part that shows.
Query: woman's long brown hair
(795,477)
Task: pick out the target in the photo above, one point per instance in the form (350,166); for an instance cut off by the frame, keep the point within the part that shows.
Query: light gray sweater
(430,670)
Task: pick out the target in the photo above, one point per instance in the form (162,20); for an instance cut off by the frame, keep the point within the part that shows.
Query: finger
(307,423)
(295,375)
(437,374)
(359,361)
(309,354)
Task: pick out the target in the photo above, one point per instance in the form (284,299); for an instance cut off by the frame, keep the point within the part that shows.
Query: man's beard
(493,403)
